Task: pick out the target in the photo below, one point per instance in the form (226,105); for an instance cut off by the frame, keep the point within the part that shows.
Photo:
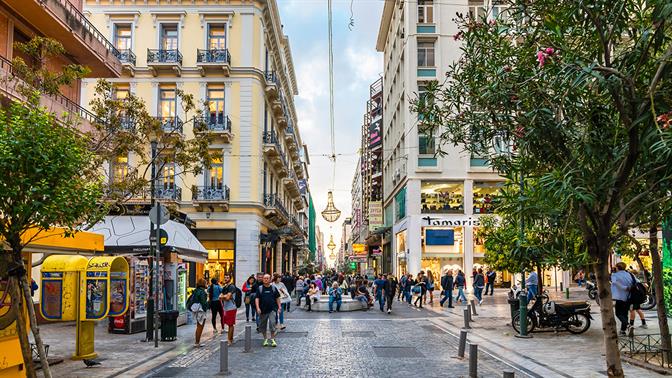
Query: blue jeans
(333,299)
(381,300)
(408,296)
(460,294)
(250,307)
(478,293)
(447,296)
(531,292)
(280,315)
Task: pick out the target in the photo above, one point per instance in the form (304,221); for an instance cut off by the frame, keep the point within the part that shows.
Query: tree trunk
(36,330)
(657,270)
(21,330)
(602,271)
(540,278)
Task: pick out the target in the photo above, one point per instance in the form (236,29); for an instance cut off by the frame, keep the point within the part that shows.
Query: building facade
(432,202)
(249,209)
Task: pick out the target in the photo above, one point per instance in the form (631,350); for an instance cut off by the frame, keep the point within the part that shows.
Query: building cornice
(384,28)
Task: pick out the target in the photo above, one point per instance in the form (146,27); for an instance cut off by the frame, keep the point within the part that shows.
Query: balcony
(62,21)
(168,193)
(298,168)
(274,153)
(171,125)
(128,60)
(211,197)
(275,210)
(213,61)
(65,110)
(219,127)
(164,61)
(291,183)
(144,195)
(271,84)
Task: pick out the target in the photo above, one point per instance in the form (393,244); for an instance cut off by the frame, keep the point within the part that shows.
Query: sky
(357,64)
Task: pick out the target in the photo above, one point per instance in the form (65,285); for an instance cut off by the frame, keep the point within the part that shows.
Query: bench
(347,304)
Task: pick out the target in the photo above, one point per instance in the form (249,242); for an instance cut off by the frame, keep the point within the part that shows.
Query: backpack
(637,291)
(190,300)
(238,297)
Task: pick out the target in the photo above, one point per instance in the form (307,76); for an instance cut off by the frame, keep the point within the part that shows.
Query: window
(119,169)
(426,144)
(216,105)
(216,36)
(400,204)
(167,175)
(477,12)
(123,36)
(486,195)
(215,175)
(425,54)
(167,102)
(425,11)
(168,37)
(120,92)
(441,197)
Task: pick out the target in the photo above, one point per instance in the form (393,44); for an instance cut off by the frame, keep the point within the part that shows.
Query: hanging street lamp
(331,213)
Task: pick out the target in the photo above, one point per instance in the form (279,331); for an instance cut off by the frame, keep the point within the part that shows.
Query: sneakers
(265,343)
(644,326)
(389,311)
(199,345)
(622,333)
(273,343)
(282,326)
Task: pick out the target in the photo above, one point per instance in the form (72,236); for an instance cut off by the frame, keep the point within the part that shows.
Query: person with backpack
(621,282)
(249,299)
(479,284)
(447,288)
(284,299)
(460,283)
(390,290)
(214,291)
(268,304)
(231,300)
(335,295)
(197,303)
(379,288)
(638,296)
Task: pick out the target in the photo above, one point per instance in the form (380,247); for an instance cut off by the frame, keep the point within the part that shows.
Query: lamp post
(154,250)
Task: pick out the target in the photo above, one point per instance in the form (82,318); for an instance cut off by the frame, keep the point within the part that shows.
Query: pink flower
(458,36)
(493,22)
(550,51)
(541,58)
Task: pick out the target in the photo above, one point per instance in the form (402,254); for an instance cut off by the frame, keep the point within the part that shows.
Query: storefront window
(485,196)
(442,197)
(221,259)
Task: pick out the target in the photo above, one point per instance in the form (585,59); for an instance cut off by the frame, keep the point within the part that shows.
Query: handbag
(247,300)
(417,289)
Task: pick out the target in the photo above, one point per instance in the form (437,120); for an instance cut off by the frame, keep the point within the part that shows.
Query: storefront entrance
(221,259)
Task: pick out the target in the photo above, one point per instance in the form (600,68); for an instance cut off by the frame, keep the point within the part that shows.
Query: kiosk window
(52,298)
(96,296)
(117,296)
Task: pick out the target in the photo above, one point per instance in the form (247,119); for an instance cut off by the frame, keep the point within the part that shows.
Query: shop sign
(377,252)
(452,221)
(375,215)
(359,249)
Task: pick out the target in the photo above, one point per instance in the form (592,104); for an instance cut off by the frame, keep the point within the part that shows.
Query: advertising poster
(95,298)
(52,298)
(375,215)
(666,252)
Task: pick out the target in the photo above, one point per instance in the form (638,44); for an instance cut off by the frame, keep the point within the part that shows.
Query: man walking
(620,291)
(229,305)
(378,287)
(268,305)
(447,287)
(491,277)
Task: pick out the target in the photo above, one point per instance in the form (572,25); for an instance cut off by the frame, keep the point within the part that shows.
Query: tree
(575,90)
(52,173)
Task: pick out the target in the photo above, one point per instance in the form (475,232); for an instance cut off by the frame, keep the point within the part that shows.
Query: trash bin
(168,325)
(515,306)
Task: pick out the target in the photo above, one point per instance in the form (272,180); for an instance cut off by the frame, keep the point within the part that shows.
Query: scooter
(591,287)
(514,292)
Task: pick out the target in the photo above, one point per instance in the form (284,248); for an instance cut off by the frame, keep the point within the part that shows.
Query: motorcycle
(514,293)
(591,288)
(573,316)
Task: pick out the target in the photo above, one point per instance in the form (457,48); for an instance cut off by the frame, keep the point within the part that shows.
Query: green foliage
(48,175)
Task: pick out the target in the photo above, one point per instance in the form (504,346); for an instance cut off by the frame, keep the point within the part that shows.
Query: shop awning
(130,235)
(55,240)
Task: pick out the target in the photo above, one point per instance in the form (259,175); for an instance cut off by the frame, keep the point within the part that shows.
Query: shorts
(636,306)
(229,317)
(267,321)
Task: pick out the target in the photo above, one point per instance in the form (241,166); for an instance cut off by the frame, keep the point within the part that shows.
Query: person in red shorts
(229,305)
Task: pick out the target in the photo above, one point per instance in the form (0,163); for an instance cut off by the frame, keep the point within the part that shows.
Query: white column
(468,246)
(247,249)
(468,197)
(414,244)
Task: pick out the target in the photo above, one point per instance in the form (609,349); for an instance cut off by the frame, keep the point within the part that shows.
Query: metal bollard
(567,293)
(508,374)
(466,318)
(473,307)
(561,287)
(473,360)
(223,357)
(463,344)
(248,339)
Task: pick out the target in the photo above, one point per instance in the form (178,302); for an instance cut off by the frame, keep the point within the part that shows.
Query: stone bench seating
(347,304)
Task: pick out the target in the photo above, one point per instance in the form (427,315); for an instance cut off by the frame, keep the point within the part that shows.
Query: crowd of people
(268,298)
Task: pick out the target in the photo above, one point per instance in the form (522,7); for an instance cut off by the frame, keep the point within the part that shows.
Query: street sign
(163,237)
(159,214)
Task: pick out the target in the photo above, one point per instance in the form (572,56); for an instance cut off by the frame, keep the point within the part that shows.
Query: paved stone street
(367,344)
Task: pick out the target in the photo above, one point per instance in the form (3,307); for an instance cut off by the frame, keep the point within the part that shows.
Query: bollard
(463,344)
(508,374)
(223,357)
(473,307)
(561,288)
(473,360)
(567,293)
(466,318)
(248,339)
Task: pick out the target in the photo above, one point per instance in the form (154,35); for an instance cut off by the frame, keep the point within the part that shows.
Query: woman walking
(479,284)
(299,290)
(430,287)
(198,307)
(460,283)
(284,299)
(214,291)
(422,283)
(249,298)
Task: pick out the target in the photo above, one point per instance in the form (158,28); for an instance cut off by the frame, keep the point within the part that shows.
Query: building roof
(384,28)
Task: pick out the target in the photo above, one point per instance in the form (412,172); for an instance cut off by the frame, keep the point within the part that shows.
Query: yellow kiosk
(84,290)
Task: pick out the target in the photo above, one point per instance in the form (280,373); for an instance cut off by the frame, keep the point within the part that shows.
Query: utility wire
(331,94)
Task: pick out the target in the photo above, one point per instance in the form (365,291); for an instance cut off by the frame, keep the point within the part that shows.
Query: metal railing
(127,56)
(174,193)
(271,138)
(164,56)
(211,193)
(78,19)
(271,77)
(145,194)
(220,124)
(646,348)
(272,200)
(68,104)
(170,124)
(213,56)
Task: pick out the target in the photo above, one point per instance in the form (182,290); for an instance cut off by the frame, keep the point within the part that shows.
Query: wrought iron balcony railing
(86,28)
(213,56)
(127,56)
(273,201)
(171,124)
(174,193)
(211,193)
(219,123)
(164,56)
